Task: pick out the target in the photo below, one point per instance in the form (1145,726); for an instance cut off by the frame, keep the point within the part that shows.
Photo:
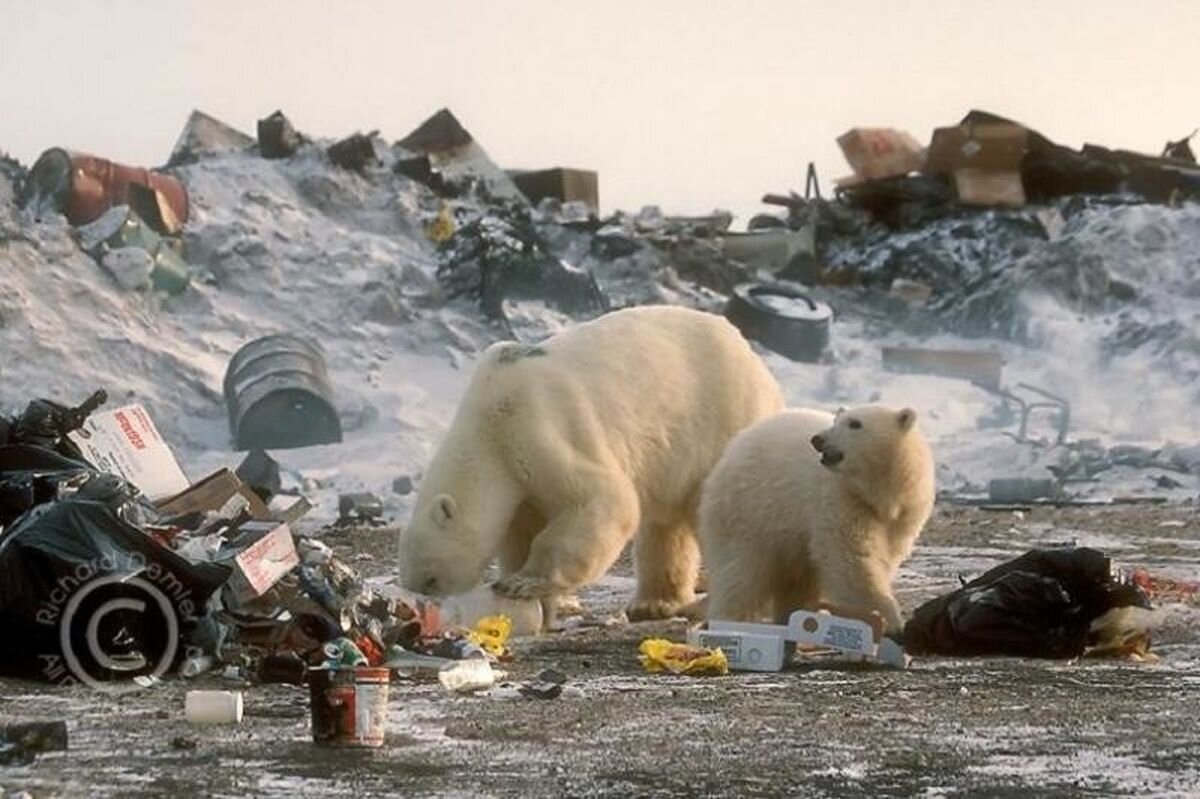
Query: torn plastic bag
(83,595)
(45,423)
(1041,604)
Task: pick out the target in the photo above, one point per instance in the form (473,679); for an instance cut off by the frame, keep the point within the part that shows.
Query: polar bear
(806,507)
(559,452)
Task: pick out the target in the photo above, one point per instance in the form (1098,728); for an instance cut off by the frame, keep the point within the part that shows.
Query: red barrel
(84,186)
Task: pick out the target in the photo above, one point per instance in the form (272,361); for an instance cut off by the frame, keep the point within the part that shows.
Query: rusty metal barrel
(84,186)
(278,395)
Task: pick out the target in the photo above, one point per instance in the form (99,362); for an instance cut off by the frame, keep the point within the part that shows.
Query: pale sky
(689,105)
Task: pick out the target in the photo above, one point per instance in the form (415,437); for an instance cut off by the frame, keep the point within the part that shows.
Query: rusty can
(349,706)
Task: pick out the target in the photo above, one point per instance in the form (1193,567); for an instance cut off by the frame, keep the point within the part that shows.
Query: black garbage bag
(85,596)
(32,476)
(45,423)
(1041,604)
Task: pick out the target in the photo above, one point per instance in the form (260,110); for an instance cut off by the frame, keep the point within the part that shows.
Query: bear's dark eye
(855,424)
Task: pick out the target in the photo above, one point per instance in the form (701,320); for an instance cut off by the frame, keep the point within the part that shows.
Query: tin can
(349,706)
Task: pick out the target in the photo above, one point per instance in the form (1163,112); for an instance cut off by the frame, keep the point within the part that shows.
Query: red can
(349,706)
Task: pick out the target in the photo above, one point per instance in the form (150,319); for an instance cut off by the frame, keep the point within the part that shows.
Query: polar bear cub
(806,507)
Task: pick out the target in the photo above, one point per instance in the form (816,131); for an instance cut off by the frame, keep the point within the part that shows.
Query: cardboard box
(212,493)
(988,188)
(563,184)
(881,152)
(750,646)
(125,442)
(269,553)
(744,651)
(992,146)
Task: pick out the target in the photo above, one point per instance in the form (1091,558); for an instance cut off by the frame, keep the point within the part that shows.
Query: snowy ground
(945,727)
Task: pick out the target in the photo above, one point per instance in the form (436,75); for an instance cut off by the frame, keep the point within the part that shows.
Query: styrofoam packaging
(465,609)
(852,636)
(744,651)
(213,707)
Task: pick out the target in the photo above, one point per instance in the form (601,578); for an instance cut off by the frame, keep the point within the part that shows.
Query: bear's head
(440,551)
(867,441)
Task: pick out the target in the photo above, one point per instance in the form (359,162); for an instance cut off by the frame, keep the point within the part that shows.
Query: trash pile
(114,568)
(278,291)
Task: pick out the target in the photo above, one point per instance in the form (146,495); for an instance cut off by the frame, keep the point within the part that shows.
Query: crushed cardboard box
(125,442)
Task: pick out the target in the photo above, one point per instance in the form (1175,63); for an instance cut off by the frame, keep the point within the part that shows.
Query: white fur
(781,531)
(559,452)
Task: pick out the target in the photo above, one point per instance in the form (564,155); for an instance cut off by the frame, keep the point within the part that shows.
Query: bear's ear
(906,418)
(444,510)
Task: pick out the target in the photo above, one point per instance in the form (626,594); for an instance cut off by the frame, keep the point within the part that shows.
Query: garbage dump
(959,269)
(206,578)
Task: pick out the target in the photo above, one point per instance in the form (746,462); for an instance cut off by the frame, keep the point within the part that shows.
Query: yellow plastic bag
(442,228)
(659,655)
(491,633)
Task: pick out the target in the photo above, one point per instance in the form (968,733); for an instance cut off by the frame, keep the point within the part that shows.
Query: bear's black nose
(818,442)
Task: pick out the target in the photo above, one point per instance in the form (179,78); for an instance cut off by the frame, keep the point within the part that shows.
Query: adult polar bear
(559,452)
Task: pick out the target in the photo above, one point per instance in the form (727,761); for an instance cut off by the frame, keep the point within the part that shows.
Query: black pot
(782,318)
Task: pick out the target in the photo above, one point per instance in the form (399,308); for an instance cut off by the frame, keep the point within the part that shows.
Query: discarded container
(989,188)
(196,665)
(276,136)
(121,227)
(781,318)
(279,396)
(22,742)
(268,552)
(362,506)
(560,183)
(980,367)
(288,668)
(1020,489)
(154,208)
(84,186)
(771,249)
(355,152)
(124,441)
(213,707)
(997,146)
(260,472)
(466,610)
(204,136)
(349,706)
(881,152)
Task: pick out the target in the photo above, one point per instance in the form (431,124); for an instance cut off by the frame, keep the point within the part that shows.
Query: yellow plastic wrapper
(659,655)
(491,633)
(442,228)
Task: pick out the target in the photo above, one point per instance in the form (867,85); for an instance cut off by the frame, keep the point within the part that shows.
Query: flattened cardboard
(987,188)
(125,442)
(212,493)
